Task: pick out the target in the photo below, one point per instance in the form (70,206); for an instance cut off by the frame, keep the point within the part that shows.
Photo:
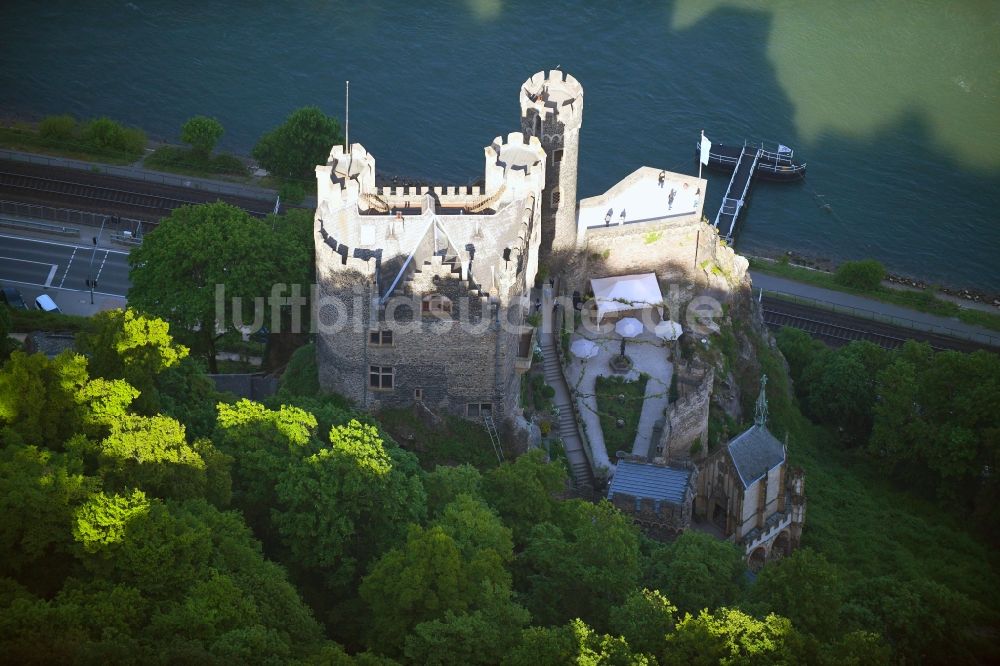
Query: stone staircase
(579,465)
(455,267)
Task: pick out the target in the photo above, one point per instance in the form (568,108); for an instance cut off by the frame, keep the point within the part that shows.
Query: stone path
(568,432)
(648,353)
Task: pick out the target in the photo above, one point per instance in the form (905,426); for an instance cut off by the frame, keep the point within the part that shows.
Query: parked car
(12,297)
(46,304)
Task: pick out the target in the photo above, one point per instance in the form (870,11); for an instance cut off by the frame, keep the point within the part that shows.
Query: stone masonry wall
(687,418)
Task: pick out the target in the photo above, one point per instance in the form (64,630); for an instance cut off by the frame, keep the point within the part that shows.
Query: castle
(432,283)
(428,288)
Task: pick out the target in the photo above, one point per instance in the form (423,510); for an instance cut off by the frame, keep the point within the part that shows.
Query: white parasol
(629,327)
(584,348)
(668,330)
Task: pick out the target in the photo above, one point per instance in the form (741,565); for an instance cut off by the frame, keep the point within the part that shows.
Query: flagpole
(347,117)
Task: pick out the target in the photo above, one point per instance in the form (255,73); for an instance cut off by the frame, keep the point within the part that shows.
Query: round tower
(552,110)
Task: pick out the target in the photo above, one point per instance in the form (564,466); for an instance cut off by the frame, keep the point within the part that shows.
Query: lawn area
(610,408)
(28,140)
(458,441)
(922,301)
(187,162)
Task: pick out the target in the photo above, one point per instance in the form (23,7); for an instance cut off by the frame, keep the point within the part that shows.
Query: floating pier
(746,162)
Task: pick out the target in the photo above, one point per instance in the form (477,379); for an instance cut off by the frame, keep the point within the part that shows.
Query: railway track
(80,190)
(837,329)
(107,194)
(831,333)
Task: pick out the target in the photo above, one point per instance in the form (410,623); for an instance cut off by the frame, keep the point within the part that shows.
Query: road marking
(48,242)
(70,263)
(52,274)
(28,261)
(101,268)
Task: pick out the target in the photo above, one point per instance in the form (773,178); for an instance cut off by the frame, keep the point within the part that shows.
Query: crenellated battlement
(555,96)
(518,165)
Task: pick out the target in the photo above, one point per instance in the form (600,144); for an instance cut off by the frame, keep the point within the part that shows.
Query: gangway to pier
(736,193)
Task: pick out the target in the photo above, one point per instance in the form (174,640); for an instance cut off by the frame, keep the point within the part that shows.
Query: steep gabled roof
(754,453)
(646,481)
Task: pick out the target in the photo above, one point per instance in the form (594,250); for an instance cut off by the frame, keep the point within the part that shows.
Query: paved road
(61,265)
(913,318)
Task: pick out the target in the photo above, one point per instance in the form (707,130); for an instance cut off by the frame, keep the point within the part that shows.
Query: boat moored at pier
(774,164)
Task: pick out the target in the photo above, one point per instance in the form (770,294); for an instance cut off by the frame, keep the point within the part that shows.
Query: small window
(380,377)
(479,409)
(555,198)
(418,394)
(557,156)
(436,304)
(380,338)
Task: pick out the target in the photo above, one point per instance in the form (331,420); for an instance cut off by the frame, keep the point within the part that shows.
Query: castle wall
(687,418)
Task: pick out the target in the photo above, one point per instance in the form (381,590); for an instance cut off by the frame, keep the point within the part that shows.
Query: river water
(895,105)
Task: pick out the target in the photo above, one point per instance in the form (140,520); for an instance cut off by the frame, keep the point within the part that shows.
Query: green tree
(103,519)
(933,426)
(294,148)
(263,444)
(644,620)
(843,387)
(581,566)
(124,344)
(698,571)
(800,349)
(475,526)
(730,636)
(523,492)
(39,491)
(866,275)
(805,588)
(446,483)
(344,505)
(423,580)
(201,133)
(187,394)
(483,636)
(201,250)
(40,397)
(5,342)
(572,643)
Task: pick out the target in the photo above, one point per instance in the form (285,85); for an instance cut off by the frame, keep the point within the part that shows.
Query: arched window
(436,304)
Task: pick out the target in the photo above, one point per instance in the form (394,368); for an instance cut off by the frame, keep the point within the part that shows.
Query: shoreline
(902,281)
(961,295)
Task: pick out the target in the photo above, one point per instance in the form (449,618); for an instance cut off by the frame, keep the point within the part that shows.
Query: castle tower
(552,110)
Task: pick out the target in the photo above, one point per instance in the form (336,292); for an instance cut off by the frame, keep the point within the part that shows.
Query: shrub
(57,128)
(106,135)
(866,275)
(301,375)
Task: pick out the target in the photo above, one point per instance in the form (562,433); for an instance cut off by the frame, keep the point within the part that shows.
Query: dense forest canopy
(147,518)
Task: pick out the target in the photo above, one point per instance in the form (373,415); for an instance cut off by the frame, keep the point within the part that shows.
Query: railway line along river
(892,104)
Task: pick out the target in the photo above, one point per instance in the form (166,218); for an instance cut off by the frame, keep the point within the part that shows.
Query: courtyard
(650,362)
